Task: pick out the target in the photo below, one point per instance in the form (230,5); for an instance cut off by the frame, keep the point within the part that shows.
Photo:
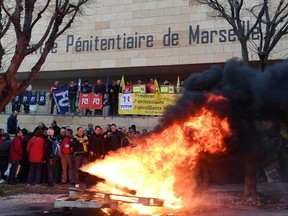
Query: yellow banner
(145,104)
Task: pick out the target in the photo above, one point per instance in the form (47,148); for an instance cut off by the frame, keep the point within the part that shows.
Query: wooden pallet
(92,199)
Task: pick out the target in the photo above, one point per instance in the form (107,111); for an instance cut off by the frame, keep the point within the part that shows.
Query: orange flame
(151,167)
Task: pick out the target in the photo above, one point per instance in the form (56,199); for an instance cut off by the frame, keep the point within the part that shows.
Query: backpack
(56,152)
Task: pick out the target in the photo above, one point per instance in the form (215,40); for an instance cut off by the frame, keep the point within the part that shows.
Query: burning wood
(92,180)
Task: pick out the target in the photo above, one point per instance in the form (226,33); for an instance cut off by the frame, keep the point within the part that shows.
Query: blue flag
(25,98)
(42,98)
(33,98)
(61,99)
(17,99)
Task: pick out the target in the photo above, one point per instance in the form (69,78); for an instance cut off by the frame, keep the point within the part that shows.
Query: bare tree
(22,18)
(270,20)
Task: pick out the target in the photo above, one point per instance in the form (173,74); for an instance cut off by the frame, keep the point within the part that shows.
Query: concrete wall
(31,121)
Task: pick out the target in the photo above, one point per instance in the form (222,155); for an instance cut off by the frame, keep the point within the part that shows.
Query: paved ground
(225,200)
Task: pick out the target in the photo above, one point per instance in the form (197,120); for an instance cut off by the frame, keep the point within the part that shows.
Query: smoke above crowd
(250,93)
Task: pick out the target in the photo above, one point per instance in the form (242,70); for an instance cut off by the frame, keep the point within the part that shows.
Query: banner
(42,98)
(33,98)
(90,101)
(145,104)
(25,98)
(97,100)
(17,99)
(61,99)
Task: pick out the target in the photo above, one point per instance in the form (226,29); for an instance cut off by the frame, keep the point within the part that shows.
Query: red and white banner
(90,101)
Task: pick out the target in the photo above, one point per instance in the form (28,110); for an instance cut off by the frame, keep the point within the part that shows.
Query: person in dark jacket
(99,88)
(113,91)
(86,88)
(15,156)
(4,155)
(96,144)
(41,126)
(12,123)
(72,96)
(80,152)
(49,157)
(115,139)
(56,128)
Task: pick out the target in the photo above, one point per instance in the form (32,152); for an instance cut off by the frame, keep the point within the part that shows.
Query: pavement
(216,200)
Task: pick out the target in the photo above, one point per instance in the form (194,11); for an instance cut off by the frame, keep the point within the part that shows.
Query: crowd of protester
(53,154)
(110,91)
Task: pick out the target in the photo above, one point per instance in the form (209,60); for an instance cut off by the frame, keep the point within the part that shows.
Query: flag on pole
(122,84)
(107,84)
(157,90)
(78,91)
(106,95)
(178,85)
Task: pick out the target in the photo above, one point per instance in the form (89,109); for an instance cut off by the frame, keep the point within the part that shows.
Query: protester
(96,144)
(99,88)
(50,156)
(113,98)
(66,158)
(4,155)
(41,126)
(85,89)
(72,96)
(36,151)
(51,95)
(115,138)
(128,87)
(80,152)
(25,160)
(89,130)
(150,88)
(26,105)
(55,127)
(58,166)
(12,123)
(15,156)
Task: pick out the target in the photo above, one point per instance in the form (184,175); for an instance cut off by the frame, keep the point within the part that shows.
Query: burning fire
(150,168)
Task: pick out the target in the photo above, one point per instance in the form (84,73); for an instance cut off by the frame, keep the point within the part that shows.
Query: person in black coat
(96,144)
(113,91)
(12,123)
(99,88)
(115,139)
(86,88)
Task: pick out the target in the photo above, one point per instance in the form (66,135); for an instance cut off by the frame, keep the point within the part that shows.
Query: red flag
(96,101)
(84,101)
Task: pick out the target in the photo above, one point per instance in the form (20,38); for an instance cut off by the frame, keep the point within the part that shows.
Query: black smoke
(251,94)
